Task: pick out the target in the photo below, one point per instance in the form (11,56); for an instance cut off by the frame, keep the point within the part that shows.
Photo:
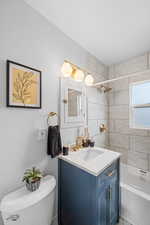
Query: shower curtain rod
(121,78)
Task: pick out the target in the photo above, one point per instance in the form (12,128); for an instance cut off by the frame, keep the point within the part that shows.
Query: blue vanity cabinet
(85,199)
(103,206)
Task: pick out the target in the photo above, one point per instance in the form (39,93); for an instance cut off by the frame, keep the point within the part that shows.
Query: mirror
(73,104)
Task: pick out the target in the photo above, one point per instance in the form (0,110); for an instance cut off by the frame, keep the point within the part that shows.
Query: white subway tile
(140,144)
(121,126)
(98,77)
(119,140)
(120,85)
(138,132)
(121,97)
(111,126)
(103,112)
(93,110)
(91,63)
(102,70)
(92,94)
(133,65)
(148,132)
(102,97)
(111,71)
(111,98)
(149,61)
(97,111)
(93,127)
(148,162)
(140,77)
(139,160)
(102,121)
(101,140)
(119,112)
(123,151)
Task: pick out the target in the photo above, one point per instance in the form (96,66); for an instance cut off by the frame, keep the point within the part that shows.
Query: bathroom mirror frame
(67,86)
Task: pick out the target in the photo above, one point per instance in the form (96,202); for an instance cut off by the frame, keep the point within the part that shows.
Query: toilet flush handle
(13,217)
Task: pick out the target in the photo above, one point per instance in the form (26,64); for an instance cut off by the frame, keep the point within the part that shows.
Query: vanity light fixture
(71,70)
(66,69)
(78,75)
(89,80)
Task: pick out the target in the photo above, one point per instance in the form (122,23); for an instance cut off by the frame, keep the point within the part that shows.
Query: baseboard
(124,222)
(54,221)
(1,221)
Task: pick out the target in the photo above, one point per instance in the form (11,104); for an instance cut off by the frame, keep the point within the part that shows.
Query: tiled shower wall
(132,143)
(97,108)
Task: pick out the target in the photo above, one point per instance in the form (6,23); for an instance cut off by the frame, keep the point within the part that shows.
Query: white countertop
(93,166)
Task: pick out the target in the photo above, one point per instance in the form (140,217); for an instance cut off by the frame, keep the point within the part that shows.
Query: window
(140,105)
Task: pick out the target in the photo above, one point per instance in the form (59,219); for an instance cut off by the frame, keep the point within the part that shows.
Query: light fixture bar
(77,67)
(77,73)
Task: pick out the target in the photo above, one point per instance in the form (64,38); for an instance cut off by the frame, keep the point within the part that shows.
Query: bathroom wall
(132,143)
(26,37)
(97,115)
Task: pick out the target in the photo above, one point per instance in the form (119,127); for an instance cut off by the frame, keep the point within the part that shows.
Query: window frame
(132,107)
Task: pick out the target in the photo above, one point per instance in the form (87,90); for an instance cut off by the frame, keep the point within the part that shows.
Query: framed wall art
(23,86)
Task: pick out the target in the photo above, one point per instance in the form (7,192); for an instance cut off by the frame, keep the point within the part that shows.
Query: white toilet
(22,207)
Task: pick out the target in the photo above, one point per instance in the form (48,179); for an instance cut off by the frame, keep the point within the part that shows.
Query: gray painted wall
(28,38)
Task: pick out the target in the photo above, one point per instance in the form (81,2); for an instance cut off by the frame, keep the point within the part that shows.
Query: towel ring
(50,115)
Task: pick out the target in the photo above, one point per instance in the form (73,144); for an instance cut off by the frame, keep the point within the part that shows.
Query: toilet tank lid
(22,198)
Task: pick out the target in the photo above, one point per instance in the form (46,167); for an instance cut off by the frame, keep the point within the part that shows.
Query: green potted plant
(32,177)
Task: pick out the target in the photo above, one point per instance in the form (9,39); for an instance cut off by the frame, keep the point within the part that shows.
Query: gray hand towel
(54,146)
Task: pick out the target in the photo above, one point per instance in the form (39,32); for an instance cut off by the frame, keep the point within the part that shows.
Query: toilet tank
(22,207)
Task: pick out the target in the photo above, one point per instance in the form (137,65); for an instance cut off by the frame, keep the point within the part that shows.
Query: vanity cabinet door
(114,199)
(103,206)
(108,195)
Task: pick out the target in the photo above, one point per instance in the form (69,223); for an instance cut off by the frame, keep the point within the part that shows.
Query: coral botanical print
(25,86)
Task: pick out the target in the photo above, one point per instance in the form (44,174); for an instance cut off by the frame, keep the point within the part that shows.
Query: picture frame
(23,86)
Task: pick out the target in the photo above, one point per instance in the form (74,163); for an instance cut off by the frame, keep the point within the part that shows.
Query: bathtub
(135,195)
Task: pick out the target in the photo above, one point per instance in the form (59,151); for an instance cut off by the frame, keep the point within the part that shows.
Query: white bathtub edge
(135,191)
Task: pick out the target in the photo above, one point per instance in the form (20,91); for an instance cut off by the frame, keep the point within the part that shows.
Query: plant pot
(33,186)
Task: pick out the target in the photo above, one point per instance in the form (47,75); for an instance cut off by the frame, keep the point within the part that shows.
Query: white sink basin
(92,160)
(88,154)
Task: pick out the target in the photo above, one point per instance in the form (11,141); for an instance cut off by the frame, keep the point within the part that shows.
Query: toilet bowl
(22,207)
